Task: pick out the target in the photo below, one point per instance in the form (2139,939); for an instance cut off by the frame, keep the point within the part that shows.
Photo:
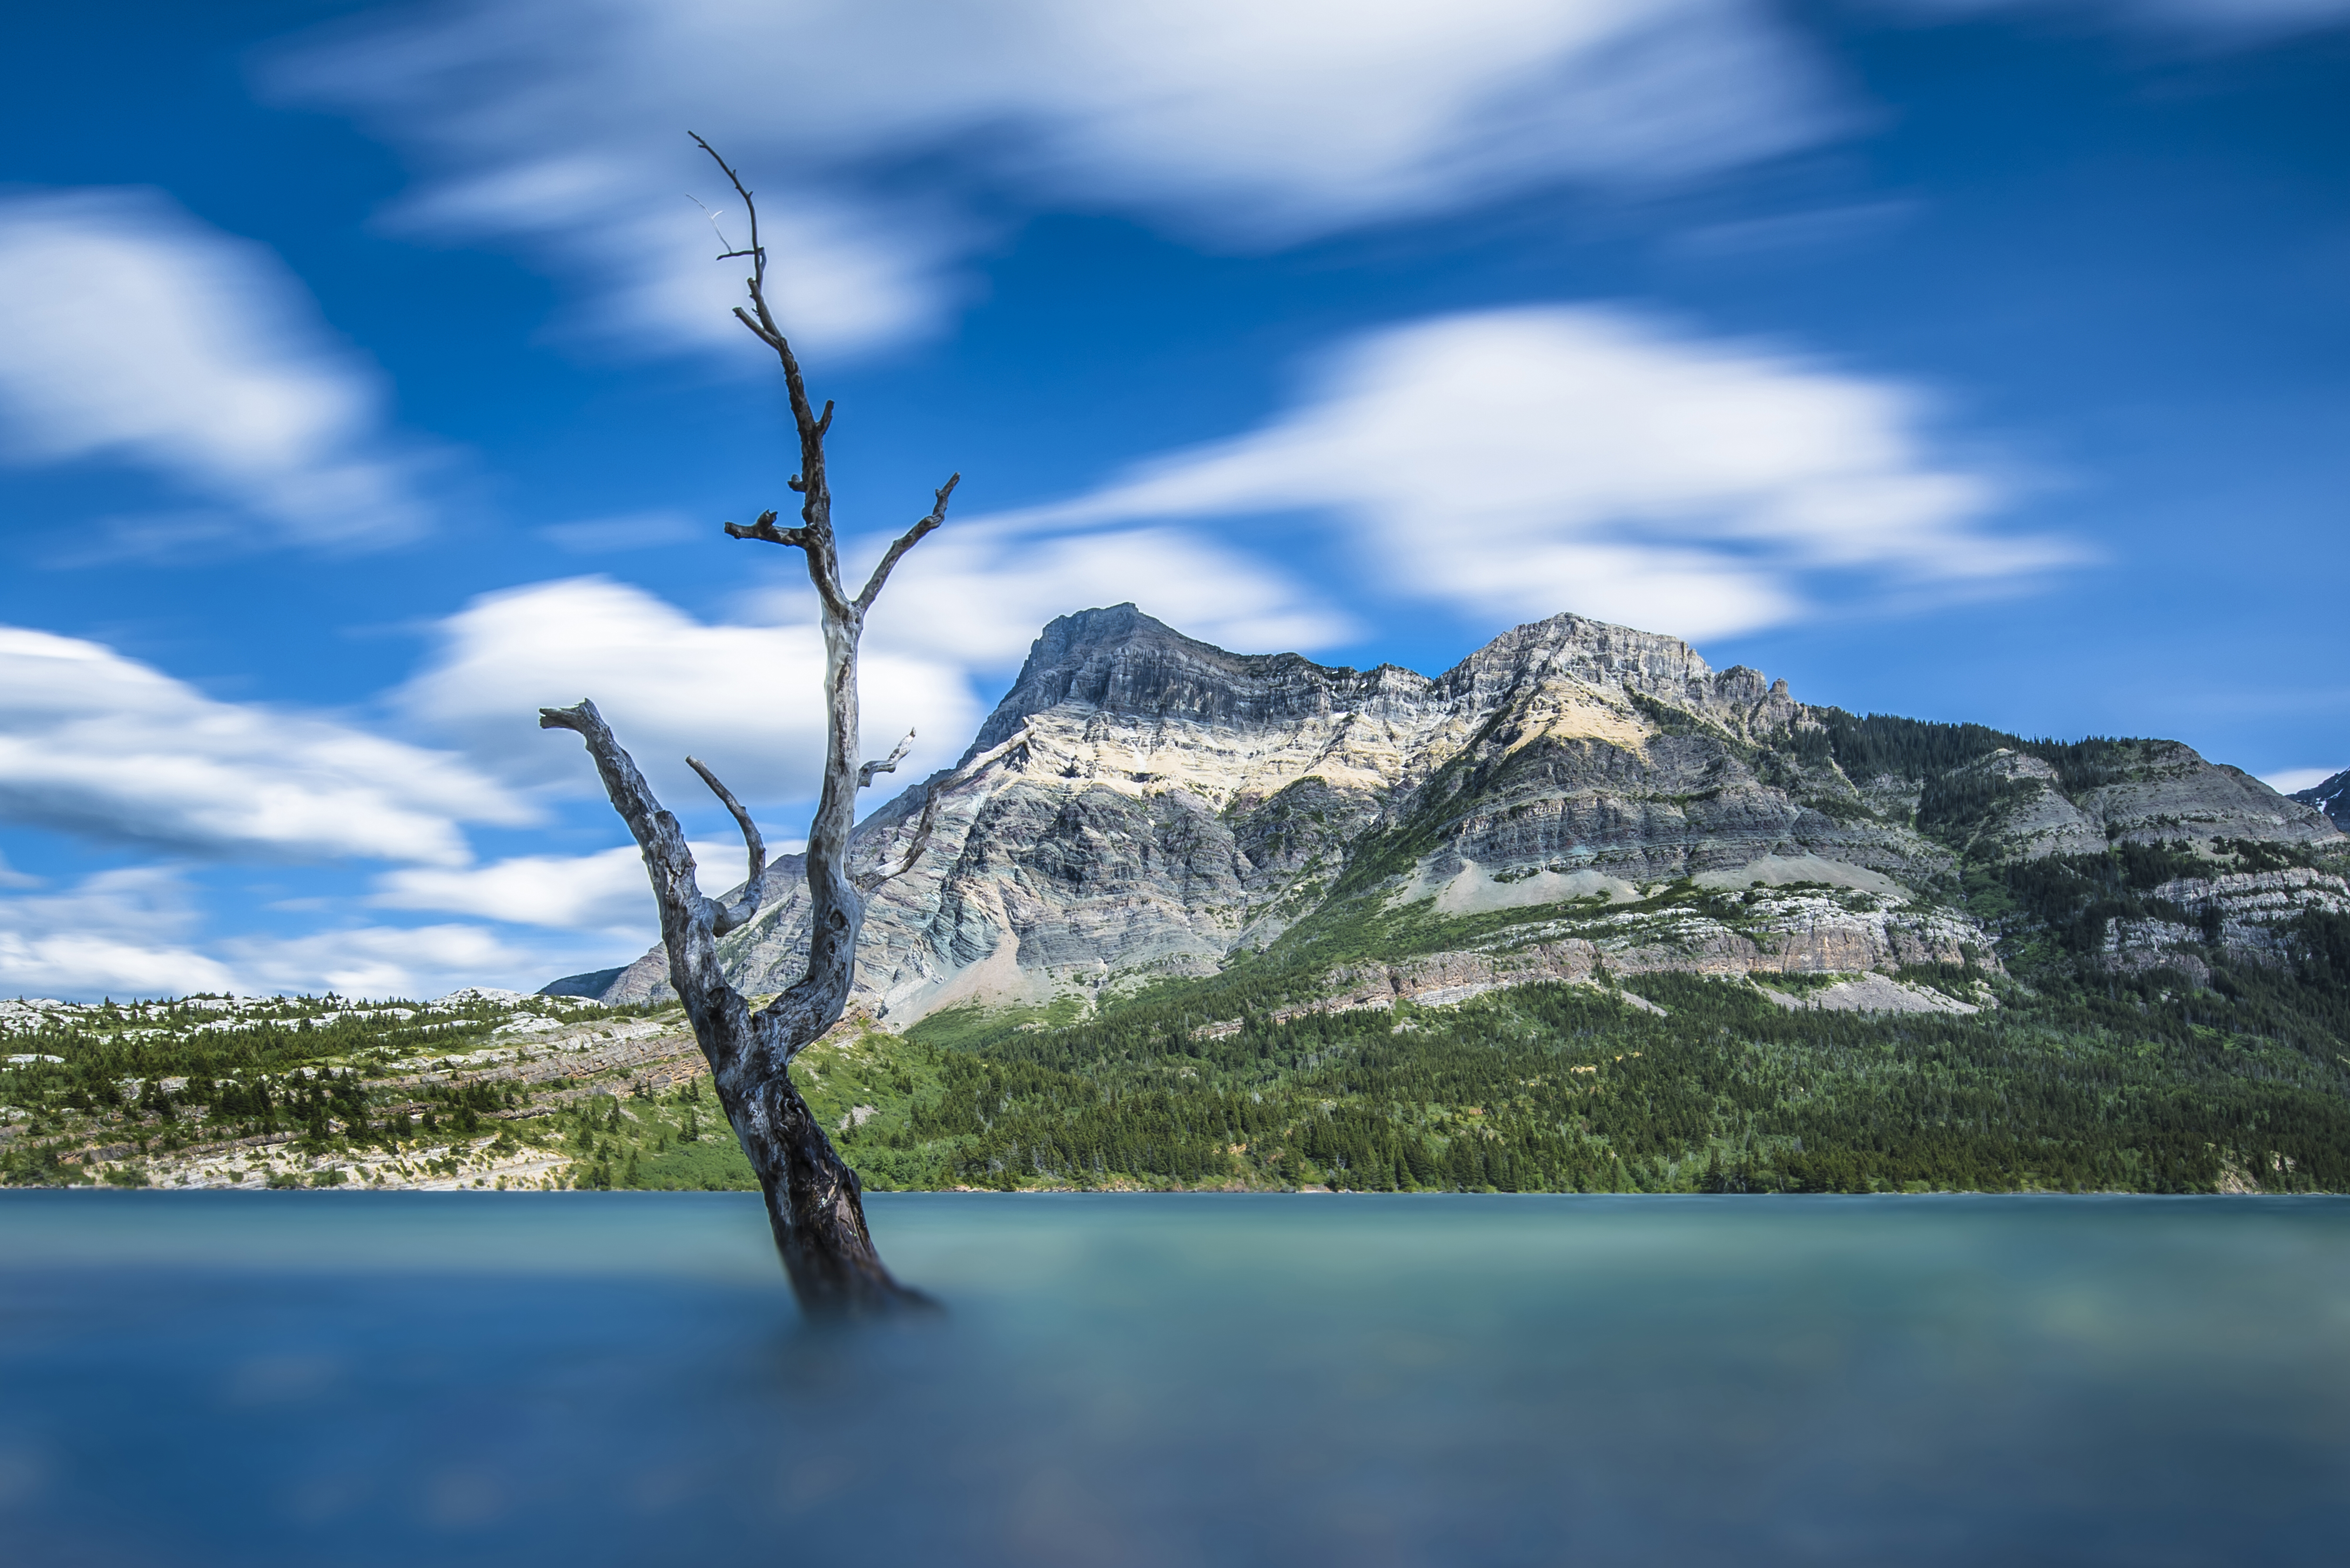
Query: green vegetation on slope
(2142,1084)
(2234,1078)
(2217,1074)
(1559,1087)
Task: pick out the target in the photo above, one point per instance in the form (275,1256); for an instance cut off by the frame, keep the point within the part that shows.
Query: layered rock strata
(2247,918)
(1152,805)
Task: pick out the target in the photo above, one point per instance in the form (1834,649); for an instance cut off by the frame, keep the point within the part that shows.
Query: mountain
(2332,797)
(1581,914)
(1574,802)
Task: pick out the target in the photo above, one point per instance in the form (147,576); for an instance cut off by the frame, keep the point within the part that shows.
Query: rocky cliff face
(2332,797)
(2245,918)
(1598,794)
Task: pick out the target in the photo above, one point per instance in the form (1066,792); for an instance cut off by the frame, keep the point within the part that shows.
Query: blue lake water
(321,1378)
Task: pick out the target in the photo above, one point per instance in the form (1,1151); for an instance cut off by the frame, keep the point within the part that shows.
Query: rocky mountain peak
(1574,651)
(1124,664)
(1169,806)
(1592,651)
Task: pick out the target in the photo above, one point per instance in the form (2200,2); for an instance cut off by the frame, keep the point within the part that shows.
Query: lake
(593,1378)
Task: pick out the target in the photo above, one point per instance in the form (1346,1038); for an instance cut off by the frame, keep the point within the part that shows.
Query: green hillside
(2216,1058)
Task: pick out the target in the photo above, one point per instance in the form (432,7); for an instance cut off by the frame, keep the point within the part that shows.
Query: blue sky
(366,382)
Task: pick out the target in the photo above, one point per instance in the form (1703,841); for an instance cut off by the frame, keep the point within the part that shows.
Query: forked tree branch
(739,913)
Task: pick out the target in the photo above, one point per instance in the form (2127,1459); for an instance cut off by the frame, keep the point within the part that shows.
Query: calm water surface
(584,1379)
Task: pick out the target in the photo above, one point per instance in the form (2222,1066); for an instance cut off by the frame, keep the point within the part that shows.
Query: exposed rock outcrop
(2245,918)
(2332,797)
(1160,805)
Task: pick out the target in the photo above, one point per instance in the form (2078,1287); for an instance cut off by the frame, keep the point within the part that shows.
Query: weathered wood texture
(814,1201)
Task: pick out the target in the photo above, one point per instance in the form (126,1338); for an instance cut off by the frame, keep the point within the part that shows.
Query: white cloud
(119,933)
(747,700)
(605,891)
(1519,462)
(960,612)
(390,961)
(976,594)
(2288,780)
(93,743)
(134,932)
(629,531)
(867,127)
(131,332)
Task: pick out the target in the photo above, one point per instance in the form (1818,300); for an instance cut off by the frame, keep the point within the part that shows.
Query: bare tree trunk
(814,1202)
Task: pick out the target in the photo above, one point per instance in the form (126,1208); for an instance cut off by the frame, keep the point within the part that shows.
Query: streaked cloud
(877,134)
(393,960)
(746,699)
(1515,463)
(605,892)
(119,933)
(976,593)
(140,931)
(628,531)
(104,747)
(131,332)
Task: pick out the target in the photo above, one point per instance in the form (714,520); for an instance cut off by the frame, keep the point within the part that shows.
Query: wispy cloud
(140,931)
(745,698)
(629,531)
(129,331)
(119,933)
(1525,461)
(876,133)
(604,892)
(974,596)
(2287,780)
(102,746)
(393,960)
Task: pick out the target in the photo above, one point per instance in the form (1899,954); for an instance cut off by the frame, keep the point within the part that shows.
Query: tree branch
(739,913)
(765,326)
(888,765)
(812,1197)
(764,528)
(688,919)
(906,541)
(922,828)
(755,251)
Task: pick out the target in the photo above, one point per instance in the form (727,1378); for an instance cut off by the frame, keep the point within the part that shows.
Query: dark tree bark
(814,1201)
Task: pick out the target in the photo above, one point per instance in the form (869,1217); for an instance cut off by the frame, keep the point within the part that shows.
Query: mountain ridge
(2331,796)
(1166,808)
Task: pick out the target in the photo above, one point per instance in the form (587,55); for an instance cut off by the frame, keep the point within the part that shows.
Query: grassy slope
(2078,1079)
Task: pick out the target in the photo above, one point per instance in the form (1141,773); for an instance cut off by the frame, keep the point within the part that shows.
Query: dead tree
(813,1197)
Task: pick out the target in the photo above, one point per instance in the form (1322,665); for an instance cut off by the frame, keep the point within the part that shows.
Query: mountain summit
(1574,801)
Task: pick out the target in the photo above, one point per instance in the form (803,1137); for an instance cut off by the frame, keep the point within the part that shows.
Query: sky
(367,381)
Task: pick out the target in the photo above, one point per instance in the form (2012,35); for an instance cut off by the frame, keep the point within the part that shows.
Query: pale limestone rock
(1168,803)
